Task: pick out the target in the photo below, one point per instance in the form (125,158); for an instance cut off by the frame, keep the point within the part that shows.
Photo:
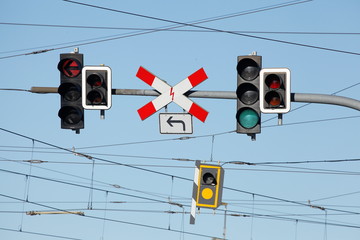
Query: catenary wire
(108,219)
(257,215)
(182,178)
(245,192)
(110,38)
(39,233)
(265,216)
(175,30)
(213,29)
(297,169)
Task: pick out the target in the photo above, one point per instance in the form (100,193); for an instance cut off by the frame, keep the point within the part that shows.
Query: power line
(213,29)
(108,219)
(176,30)
(266,216)
(116,37)
(38,233)
(164,174)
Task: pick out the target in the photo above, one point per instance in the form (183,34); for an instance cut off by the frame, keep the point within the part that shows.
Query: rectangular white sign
(175,123)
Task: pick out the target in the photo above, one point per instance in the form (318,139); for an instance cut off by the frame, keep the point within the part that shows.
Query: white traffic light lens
(209,179)
(248,69)
(248,118)
(247,93)
(70,92)
(70,115)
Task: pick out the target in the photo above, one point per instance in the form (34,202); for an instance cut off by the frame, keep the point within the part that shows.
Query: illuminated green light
(248,118)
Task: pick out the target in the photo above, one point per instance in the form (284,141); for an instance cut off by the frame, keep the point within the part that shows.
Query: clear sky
(152,169)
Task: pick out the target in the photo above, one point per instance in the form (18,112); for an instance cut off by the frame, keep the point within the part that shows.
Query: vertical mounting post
(102,114)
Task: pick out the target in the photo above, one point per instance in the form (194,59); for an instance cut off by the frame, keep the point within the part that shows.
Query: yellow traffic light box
(209,188)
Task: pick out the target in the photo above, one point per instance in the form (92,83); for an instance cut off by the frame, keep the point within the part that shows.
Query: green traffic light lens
(248,118)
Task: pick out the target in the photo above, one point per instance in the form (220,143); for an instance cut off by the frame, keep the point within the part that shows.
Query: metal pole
(295,97)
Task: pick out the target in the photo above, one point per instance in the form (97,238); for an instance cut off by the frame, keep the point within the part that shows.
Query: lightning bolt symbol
(172,94)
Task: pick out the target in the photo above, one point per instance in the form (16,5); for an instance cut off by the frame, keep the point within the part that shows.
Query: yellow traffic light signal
(209,187)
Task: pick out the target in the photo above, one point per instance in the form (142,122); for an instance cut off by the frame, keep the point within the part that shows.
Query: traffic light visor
(70,115)
(209,179)
(70,91)
(247,93)
(248,69)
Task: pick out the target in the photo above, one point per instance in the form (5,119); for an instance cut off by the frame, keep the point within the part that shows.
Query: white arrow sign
(175,123)
(172,94)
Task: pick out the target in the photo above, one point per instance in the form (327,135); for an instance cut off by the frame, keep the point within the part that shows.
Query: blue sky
(263,201)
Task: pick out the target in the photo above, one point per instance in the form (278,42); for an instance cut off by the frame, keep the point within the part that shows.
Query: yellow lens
(207,193)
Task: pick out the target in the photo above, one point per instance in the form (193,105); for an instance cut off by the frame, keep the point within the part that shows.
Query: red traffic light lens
(273,99)
(70,67)
(273,81)
(94,80)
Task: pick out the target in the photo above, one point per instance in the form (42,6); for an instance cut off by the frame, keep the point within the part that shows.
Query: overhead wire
(137,33)
(234,212)
(179,177)
(110,220)
(213,29)
(175,30)
(39,233)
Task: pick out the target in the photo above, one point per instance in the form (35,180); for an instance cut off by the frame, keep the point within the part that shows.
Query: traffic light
(209,187)
(71,111)
(97,87)
(275,90)
(248,114)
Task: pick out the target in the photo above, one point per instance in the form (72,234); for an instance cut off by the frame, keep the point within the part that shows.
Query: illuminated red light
(273,81)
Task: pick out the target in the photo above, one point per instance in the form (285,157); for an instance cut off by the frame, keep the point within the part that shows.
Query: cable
(170,175)
(99,40)
(110,220)
(312,161)
(176,30)
(235,213)
(214,29)
(38,234)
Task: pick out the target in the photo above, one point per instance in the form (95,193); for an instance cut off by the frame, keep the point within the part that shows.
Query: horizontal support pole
(326,99)
(295,97)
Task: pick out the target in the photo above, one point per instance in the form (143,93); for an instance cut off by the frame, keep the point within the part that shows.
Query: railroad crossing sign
(172,94)
(175,123)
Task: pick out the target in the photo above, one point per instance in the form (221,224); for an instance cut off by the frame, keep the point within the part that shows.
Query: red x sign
(172,94)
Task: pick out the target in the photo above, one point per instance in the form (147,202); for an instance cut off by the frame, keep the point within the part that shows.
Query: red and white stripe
(169,94)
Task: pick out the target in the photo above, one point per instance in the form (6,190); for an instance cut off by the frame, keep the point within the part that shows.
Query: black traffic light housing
(275,90)
(248,115)
(97,82)
(210,184)
(71,111)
